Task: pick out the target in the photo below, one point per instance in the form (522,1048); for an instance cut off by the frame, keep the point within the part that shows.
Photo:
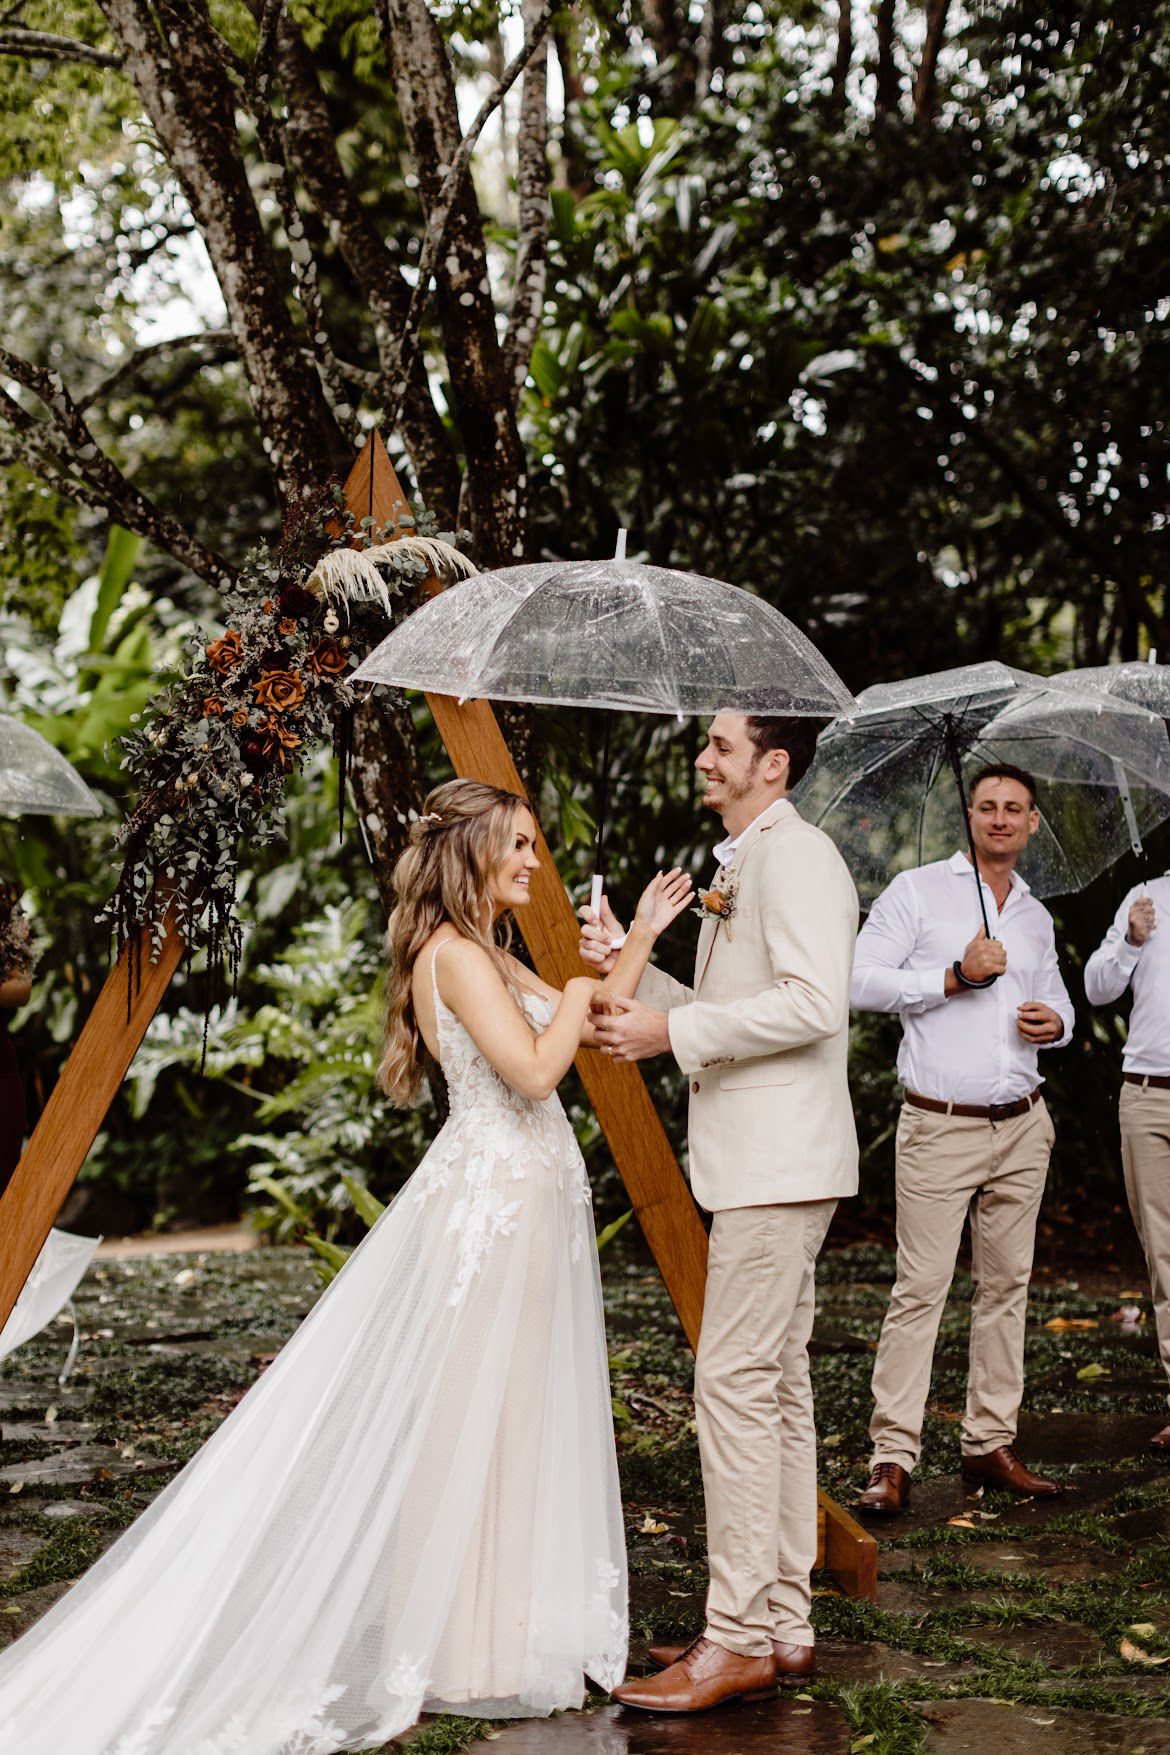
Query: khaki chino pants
(949,1167)
(754,1416)
(1144,1113)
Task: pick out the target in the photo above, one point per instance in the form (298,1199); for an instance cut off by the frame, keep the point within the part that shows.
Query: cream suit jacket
(764,1033)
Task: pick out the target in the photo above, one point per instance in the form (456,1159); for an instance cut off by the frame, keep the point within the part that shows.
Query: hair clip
(432,816)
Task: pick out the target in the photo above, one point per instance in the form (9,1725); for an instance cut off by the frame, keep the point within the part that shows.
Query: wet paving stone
(77,1466)
(978,1727)
(851,1662)
(1058,1646)
(798,1727)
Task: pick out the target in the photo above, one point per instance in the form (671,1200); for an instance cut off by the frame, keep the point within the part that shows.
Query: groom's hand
(626,1029)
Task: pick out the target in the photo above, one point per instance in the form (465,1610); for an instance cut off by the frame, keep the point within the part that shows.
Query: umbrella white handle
(596,890)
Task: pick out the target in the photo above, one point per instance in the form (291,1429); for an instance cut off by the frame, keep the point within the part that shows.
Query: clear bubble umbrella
(1146,685)
(612,633)
(36,779)
(889,779)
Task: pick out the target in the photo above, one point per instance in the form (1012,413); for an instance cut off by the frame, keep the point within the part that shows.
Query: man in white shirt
(1135,954)
(974,1135)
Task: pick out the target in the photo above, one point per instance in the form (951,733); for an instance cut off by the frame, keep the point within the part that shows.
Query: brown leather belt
(980,1111)
(1159,1083)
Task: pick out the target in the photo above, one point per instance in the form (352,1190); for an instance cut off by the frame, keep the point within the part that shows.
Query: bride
(416,1507)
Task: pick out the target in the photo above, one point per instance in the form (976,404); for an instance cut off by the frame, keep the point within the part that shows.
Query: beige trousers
(754,1415)
(949,1167)
(1145,1155)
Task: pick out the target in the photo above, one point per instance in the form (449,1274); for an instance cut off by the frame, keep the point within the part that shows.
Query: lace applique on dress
(495,1137)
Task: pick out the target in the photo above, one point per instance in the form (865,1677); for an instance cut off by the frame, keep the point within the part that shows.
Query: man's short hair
(796,735)
(1004,771)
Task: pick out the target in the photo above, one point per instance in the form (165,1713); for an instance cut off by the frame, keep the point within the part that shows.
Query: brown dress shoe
(887,1491)
(1003,1468)
(794,1663)
(705,1675)
(1160,1442)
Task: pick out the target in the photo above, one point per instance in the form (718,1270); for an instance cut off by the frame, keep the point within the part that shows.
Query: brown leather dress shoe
(1160,1442)
(1003,1468)
(705,1675)
(794,1663)
(887,1491)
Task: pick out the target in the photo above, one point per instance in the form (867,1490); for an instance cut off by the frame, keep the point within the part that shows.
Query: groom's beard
(735,791)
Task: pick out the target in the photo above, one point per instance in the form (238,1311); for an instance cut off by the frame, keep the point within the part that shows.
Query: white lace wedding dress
(415,1508)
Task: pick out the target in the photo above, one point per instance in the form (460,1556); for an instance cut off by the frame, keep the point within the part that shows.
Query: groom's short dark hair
(797,736)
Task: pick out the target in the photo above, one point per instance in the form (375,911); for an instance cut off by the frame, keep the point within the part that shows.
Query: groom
(762,1037)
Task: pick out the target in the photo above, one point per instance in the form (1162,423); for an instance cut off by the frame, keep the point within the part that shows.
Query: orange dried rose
(240,718)
(279,690)
(286,627)
(225,653)
(714,901)
(280,740)
(326,658)
(212,707)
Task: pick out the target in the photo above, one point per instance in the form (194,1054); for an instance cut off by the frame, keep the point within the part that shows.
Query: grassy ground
(1047,1608)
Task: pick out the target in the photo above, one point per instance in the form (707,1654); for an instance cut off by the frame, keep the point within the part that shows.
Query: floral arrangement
(717,904)
(18,947)
(212,753)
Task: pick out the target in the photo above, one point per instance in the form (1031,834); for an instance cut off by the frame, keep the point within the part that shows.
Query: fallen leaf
(1089,1373)
(1133,1654)
(17,1487)
(50,1416)
(802,1696)
(10,1611)
(862,1742)
(648,1526)
(1131,1294)
(799,1711)
(960,1523)
(832,1441)
(1039,1721)
(1059,1323)
(1143,1630)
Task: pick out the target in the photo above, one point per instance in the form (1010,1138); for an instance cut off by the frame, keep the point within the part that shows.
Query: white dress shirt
(725,852)
(964,1048)
(1116,965)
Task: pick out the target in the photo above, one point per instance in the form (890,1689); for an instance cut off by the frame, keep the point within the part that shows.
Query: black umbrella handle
(953,755)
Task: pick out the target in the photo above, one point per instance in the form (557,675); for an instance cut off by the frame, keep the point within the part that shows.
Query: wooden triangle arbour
(659,1194)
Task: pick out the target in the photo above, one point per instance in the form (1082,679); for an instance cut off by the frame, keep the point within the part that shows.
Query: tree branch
(532,221)
(43,45)
(62,449)
(132,364)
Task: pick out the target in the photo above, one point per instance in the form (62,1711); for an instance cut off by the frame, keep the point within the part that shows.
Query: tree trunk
(496,468)
(311,146)
(844,53)
(926,82)
(173,58)
(887,66)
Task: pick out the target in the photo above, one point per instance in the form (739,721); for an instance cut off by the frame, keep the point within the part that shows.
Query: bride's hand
(664,899)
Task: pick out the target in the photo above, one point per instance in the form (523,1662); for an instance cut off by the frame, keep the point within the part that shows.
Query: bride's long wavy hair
(465,833)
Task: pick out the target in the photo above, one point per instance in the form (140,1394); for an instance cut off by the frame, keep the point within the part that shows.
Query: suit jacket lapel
(709,931)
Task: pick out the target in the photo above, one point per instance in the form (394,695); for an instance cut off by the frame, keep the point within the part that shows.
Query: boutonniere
(717,904)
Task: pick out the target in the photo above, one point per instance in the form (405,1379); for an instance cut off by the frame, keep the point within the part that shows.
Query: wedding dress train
(415,1508)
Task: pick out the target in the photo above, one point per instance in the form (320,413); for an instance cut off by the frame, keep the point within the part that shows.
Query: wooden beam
(77,1107)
